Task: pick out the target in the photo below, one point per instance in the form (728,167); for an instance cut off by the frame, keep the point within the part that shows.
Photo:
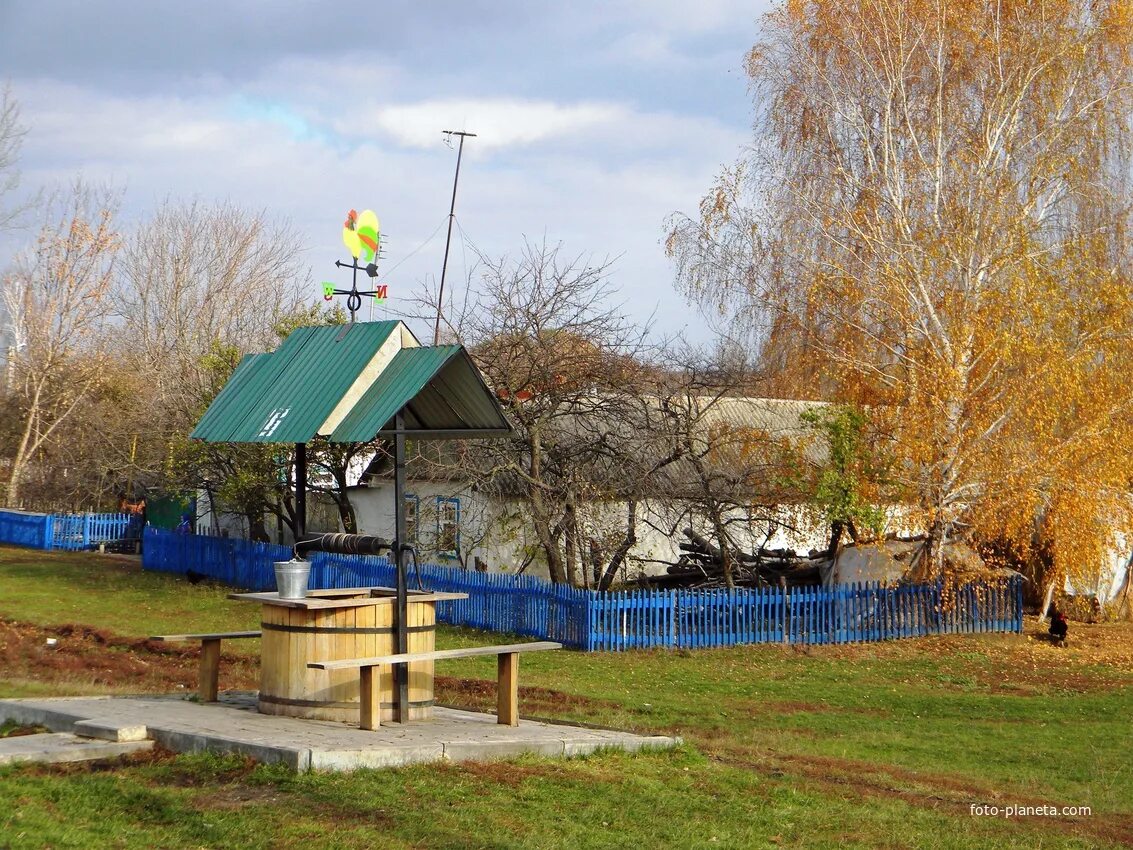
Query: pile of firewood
(702,565)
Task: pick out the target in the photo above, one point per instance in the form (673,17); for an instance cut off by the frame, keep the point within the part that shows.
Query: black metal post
(402,675)
(300,491)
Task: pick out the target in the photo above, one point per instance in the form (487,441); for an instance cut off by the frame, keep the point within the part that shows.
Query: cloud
(498,122)
(577,141)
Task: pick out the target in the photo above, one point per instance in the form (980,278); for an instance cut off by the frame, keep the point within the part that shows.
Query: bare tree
(193,274)
(569,369)
(58,300)
(193,277)
(12,134)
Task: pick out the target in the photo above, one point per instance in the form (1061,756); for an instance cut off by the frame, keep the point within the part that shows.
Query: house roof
(347,382)
(743,434)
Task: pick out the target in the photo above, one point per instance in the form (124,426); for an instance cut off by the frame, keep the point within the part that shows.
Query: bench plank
(434,655)
(507,676)
(209,636)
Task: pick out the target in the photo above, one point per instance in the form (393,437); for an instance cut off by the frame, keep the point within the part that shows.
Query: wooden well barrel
(337,625)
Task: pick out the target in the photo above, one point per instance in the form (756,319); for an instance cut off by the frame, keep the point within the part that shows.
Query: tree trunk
(555,567)
(725,549)
(539,518)
(346,513)
(1047,598)
(930,564)
(19,461)
(1122,601)
(570,542)
(620,553)
(257,531)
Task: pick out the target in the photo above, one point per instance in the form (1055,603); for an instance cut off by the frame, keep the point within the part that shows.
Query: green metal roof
(239,382)
(285,397)
(439,389)
(289,395)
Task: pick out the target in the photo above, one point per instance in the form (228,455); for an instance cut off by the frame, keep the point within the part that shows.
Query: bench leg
(507,689)
(370,706)
(209,670)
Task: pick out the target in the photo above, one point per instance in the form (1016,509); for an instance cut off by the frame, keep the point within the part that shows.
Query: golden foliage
(940,194)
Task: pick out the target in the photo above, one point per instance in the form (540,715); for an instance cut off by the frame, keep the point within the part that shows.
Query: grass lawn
(880,745)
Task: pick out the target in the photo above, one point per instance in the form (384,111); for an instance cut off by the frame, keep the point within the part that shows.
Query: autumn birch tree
(933,221)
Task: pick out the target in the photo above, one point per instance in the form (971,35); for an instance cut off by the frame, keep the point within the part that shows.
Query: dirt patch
(228,798)
(11,730)
(234,770)
(505,773)
(142,758)
(481,694)
(80,657)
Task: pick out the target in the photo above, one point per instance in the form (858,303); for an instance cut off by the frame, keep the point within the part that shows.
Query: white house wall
(494,532)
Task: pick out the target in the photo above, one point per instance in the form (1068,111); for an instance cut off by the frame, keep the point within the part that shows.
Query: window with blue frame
(412,510)
(448,526)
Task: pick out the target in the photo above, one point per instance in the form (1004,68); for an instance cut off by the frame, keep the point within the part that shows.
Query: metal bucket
(291,578)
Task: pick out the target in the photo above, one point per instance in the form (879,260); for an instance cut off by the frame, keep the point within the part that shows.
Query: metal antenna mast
(451,215)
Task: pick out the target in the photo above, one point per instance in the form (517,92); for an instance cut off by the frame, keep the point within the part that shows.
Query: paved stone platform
(234,726)
(63,746)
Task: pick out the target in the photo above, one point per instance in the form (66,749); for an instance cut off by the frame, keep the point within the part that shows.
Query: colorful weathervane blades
(361,235)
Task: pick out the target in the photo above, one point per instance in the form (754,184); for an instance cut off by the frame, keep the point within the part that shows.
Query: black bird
(1058,627)
(194,577)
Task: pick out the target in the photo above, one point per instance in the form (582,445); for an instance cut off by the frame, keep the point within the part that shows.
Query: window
(412,508)
(448,526)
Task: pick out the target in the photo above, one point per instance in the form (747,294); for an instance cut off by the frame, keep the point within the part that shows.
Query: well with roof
(350,384)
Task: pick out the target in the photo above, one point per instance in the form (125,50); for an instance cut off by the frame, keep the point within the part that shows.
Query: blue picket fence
(82,531)
(642,619)
(63,531)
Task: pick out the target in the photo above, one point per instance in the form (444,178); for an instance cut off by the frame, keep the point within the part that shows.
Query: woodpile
(701,565)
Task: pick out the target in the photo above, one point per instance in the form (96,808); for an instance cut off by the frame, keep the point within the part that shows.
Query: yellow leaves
(940,215)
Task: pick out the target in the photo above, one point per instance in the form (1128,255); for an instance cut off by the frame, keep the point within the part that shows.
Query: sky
(595,121)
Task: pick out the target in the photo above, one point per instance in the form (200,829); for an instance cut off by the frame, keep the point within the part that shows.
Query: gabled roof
(441,392)
(347,382)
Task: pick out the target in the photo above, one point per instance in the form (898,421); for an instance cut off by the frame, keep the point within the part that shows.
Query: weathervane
(360,234)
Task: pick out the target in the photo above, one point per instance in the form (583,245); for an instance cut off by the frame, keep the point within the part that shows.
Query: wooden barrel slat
(300,635)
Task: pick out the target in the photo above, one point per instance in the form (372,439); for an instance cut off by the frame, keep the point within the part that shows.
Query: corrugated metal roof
(440,390)
(232,393)
(286,396)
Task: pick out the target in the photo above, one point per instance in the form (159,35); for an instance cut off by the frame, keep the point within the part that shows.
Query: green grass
(883,746)
(108,592)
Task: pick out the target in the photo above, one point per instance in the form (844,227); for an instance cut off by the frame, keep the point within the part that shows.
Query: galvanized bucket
(291,578)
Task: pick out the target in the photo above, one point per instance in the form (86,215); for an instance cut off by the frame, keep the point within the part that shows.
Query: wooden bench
(507,681)
(210,658)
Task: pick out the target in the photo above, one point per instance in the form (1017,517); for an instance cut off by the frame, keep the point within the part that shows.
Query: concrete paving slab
(111,731)
(63,747)
(233,725)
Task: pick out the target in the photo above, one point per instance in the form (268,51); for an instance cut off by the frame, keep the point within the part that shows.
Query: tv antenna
(451,216)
